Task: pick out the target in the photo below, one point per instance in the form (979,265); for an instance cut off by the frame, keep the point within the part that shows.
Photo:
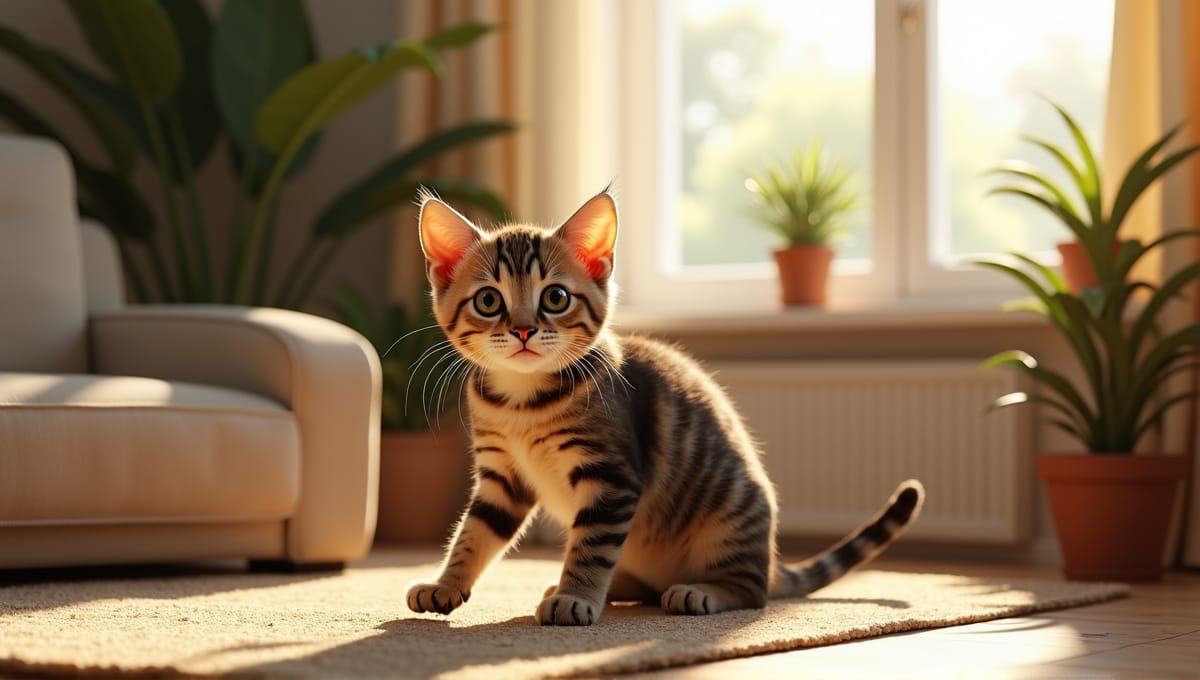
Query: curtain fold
(475,84)
(1133,119)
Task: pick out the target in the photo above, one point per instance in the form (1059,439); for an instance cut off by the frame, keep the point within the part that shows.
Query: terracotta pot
(1077,268)
(1112,512)
(423,479)
(803,274)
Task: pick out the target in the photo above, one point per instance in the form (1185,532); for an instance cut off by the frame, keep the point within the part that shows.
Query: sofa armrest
(325,373)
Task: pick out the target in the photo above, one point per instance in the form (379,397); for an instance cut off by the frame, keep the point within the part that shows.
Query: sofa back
(42,307)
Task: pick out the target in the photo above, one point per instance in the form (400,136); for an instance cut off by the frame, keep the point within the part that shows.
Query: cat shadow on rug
(428,647)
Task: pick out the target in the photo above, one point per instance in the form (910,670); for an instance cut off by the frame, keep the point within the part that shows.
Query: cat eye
(488,302)
(555,299)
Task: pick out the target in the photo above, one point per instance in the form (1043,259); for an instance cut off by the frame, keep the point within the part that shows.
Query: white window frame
(904,198)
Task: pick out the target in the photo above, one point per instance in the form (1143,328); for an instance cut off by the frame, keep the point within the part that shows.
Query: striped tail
(858,548)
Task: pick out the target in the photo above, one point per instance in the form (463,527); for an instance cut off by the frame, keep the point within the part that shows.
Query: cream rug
(355,624)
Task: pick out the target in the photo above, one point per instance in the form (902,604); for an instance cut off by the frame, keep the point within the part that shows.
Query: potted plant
(1111,508)
(422,457)
(806,200)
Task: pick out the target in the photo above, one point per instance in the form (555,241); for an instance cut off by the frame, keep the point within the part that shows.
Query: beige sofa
(171,432)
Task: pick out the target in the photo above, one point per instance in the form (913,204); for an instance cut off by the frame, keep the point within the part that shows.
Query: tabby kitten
(624,440)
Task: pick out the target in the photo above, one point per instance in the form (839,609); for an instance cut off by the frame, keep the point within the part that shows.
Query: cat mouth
(523,352)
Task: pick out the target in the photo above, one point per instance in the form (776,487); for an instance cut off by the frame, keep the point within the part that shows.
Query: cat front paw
(567,610)
(435,597)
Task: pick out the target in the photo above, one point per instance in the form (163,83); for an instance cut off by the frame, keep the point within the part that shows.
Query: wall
(356,142)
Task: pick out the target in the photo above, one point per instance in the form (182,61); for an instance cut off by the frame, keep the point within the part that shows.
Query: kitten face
(520,299)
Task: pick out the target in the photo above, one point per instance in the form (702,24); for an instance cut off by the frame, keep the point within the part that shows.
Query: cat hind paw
(686,599)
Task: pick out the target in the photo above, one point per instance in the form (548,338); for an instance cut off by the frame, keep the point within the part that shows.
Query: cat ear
(591,235)
(445,237)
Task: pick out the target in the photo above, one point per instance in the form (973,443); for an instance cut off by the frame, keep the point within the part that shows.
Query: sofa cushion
(78,449)
(41,273)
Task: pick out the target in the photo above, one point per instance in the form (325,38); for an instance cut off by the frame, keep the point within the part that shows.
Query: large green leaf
(1141,174)
(102,194)
(312,97)
(192,102)
(1054,280)
(135,40)
(257,45)
(28,122)
(1053,308)
(1149,313)
(112,200)
(106,125)
(1077,174)
(386,185)
(1078,227)
(1029,172)
(1022,362)
(1071,425)
(1155,416)
(1079,333)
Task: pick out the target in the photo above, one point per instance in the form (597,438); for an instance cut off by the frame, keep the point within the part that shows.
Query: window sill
(925,314)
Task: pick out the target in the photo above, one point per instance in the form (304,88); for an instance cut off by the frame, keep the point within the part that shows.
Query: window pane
(994,60)
(759,79)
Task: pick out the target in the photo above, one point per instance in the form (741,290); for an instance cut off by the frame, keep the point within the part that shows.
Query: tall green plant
(1112,329)
(178,82)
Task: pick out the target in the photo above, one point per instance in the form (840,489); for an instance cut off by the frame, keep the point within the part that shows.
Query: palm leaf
(1089,178)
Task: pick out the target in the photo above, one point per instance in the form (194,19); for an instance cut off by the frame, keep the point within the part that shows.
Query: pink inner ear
(445,238)
(592,234)
(595,266)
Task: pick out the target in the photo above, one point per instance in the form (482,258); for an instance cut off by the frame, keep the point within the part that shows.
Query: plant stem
(237,227)
(250,238)
(164,168)
(141,294)
(187,169)
(265,250)
(159,267)
(299,264)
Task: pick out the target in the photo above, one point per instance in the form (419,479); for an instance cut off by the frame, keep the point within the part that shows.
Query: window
(920,97)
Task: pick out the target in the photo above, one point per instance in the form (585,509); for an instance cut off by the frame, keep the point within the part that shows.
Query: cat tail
(856,549)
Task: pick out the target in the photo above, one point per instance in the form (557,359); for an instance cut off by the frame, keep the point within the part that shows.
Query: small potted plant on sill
(422,459)
(1111,508)
(808,201)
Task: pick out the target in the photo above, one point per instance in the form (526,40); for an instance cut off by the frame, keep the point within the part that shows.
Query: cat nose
(524,333)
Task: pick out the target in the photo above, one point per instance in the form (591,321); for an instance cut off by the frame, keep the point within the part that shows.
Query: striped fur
(623,440)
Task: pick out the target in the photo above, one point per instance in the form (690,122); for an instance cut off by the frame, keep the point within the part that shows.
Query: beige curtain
(1133,117)
(475,84)
(1186,17)
(1154,85)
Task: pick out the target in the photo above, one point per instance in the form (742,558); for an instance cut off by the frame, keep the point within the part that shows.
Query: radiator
(838,436)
